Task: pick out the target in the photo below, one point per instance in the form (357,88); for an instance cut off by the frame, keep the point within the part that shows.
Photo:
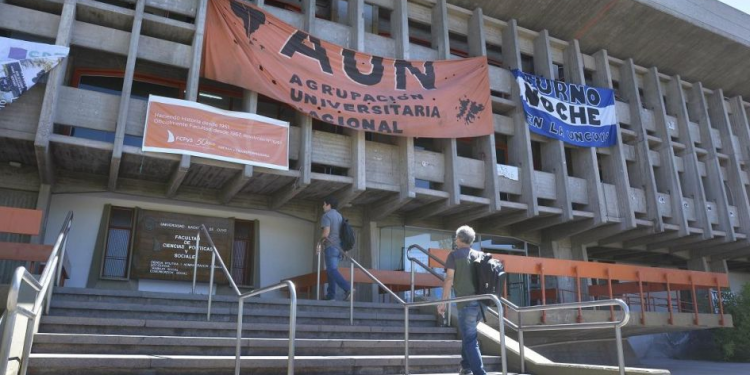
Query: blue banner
(576,114)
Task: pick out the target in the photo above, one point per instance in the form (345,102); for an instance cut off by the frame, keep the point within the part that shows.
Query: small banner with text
(23,64)
(183,127)
(576,114)
(248,47)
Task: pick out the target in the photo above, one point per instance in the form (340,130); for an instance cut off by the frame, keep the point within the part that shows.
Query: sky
(743,5)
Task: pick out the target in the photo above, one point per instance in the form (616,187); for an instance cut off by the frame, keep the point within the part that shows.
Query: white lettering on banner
(508,171)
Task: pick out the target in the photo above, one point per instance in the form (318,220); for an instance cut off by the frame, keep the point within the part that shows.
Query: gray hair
(466,234)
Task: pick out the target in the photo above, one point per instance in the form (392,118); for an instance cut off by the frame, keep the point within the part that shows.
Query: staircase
(95,332)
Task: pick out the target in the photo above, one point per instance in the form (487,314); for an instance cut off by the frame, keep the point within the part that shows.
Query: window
(117,245)
(111,82)
(243,252)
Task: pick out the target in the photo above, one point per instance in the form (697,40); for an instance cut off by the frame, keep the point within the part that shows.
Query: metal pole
(238,349)
(292,328)
(195,267)
(620,357)
(450,309)
(501,329)
(7,339)
(521,347)
(61,256)
(211,284)
(412,281)
(406,340)
(317,290)
(351,290)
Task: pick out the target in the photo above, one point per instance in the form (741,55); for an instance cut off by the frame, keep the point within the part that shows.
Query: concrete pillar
(562,249)
(42,204)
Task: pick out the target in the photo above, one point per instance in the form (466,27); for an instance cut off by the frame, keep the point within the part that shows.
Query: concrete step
(175,299)
(225,346)
(224,314)
(87,364)
(86,325)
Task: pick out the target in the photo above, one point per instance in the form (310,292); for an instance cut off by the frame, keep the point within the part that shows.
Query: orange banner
(248,47)
(181,127)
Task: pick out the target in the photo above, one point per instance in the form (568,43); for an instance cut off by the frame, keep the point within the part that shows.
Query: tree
(734,343)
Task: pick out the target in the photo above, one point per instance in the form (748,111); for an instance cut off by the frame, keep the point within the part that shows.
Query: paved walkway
(683,367)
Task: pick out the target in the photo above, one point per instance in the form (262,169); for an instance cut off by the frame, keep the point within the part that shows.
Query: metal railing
(520,328)
(427,268)
(408,305)
(244,296)
(43,289)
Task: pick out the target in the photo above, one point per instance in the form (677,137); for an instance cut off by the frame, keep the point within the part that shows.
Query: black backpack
(346,234)
(489,277)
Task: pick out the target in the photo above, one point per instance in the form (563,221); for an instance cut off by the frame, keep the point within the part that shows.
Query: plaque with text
(165,246)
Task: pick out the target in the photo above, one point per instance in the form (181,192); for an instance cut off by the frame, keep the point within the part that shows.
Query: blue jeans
(471,358)
(332,270)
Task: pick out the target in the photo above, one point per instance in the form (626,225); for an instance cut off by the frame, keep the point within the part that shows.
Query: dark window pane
(116,255)
(120,218)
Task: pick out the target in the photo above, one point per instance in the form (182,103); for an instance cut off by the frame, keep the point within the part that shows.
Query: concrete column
(42,204)
(562,249)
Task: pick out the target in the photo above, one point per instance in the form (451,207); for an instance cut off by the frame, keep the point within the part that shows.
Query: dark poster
(165,246)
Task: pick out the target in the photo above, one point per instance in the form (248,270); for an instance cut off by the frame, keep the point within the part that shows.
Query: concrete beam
(308,15)
(644,178)
(553,151)
(693,188)
(698,110)
(667,178)
(720,119)
(55,79)
(127,86)
(191,89)
(304,164)
(520,143)
(236,184)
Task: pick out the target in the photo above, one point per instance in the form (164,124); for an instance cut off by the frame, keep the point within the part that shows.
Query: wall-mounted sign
(248,47)
(164,247)
(23,64)
(184,127)
(576,114)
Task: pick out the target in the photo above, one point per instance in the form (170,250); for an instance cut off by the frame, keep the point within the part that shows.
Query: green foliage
(734,343)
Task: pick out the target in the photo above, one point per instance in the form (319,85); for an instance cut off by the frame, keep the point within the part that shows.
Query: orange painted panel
(24,252)
(20,220)
(621,272)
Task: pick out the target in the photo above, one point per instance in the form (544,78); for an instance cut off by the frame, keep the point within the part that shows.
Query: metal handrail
(520,328)
(242,297)
(292,322)
(407,306)
(427,268)
(214,255)
(43,287)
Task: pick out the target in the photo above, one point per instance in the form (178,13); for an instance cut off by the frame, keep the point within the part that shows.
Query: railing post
(669,300)
(211,284)
(696,320)
(292,326)
(640,290)
(61,256)
(412,281)
(195,267)
(351,292)
(579,319)
(620,355)
(406,340)
(521,347)
(721,303)
(7,340)
(238,349)
(317,289)
(609,286)
(544,292)
(501,330)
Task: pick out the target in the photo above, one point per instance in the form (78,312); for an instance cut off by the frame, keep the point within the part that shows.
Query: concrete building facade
(672,193)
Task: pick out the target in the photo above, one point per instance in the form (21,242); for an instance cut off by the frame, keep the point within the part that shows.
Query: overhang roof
(701,40)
